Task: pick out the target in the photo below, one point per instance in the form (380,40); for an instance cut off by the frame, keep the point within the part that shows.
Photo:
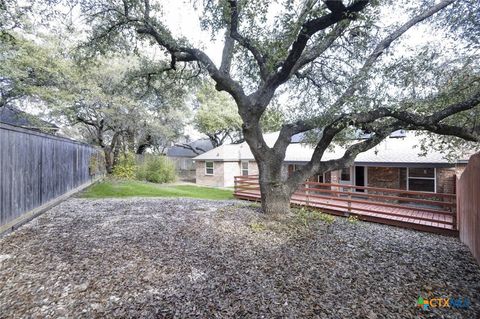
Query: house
(394,163)
(13,116)
(182,155)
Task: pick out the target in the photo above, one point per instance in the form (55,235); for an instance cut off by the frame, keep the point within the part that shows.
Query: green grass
(108,189)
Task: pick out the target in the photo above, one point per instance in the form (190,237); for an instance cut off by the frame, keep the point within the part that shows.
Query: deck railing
(420,206)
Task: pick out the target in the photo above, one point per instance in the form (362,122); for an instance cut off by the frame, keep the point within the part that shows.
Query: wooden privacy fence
(419,210)
(37,168)
(468,205)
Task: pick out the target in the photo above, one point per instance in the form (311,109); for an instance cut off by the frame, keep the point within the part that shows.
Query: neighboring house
(13,116)
(182,155)
(394,163)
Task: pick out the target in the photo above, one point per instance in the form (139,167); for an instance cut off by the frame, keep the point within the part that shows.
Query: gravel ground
(184,258)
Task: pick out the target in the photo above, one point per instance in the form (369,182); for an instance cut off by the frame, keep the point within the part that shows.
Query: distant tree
(217,116)
(120,102)
(30,70)
(117,115)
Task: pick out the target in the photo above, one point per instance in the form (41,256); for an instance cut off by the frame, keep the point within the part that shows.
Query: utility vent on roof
(398,134)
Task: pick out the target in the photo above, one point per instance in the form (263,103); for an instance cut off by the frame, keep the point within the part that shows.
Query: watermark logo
(453,303)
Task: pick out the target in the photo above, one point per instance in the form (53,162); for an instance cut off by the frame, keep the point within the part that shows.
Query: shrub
(257,227)
(156,169)
(306,216)
(353,219)
(126,167)
(96,164)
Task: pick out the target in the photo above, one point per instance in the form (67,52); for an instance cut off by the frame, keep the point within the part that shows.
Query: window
(345,176)
(421,179)
(244,168)
(208,168)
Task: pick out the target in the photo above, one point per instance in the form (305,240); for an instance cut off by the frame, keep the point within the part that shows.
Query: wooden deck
(423,211)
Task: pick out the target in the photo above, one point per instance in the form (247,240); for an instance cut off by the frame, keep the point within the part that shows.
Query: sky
(183,20)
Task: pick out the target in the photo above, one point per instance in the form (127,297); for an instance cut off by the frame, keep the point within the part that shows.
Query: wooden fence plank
(468,205)
(35,168)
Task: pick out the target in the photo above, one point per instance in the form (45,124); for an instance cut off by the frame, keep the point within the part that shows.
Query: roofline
(391,164)
(182,156)
(371,164)
(221,160)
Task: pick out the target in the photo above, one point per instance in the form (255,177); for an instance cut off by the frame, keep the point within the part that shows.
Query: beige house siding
(252,168)
(231,169)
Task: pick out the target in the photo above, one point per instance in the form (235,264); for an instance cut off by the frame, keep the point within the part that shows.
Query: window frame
(207,168)
(349,174)
(243,169)
(434,178)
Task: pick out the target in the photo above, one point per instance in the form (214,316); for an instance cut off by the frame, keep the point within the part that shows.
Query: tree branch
(316,166)
(381,47)
(308,30)
(245,42)
(196,150)
(317,50)
(406,120)
(227,54)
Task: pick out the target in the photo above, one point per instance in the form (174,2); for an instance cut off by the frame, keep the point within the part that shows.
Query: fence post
(307,192)
(234,185)
(350,200)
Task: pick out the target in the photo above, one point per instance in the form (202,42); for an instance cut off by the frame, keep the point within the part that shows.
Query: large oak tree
(344,65)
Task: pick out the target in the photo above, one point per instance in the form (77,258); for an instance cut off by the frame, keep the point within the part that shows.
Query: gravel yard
(186,258)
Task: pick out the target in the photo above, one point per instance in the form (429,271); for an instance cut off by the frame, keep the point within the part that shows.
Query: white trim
(213,168)
(349,181)
(323,178)
(365,175)
(426,178)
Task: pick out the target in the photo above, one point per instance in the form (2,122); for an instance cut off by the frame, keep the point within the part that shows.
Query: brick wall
(386,177)
(215,180)
(446,180)
(394,177)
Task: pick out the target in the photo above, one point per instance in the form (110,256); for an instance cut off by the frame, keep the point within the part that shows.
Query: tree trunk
(108,160)
(116,154)
(275,193)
